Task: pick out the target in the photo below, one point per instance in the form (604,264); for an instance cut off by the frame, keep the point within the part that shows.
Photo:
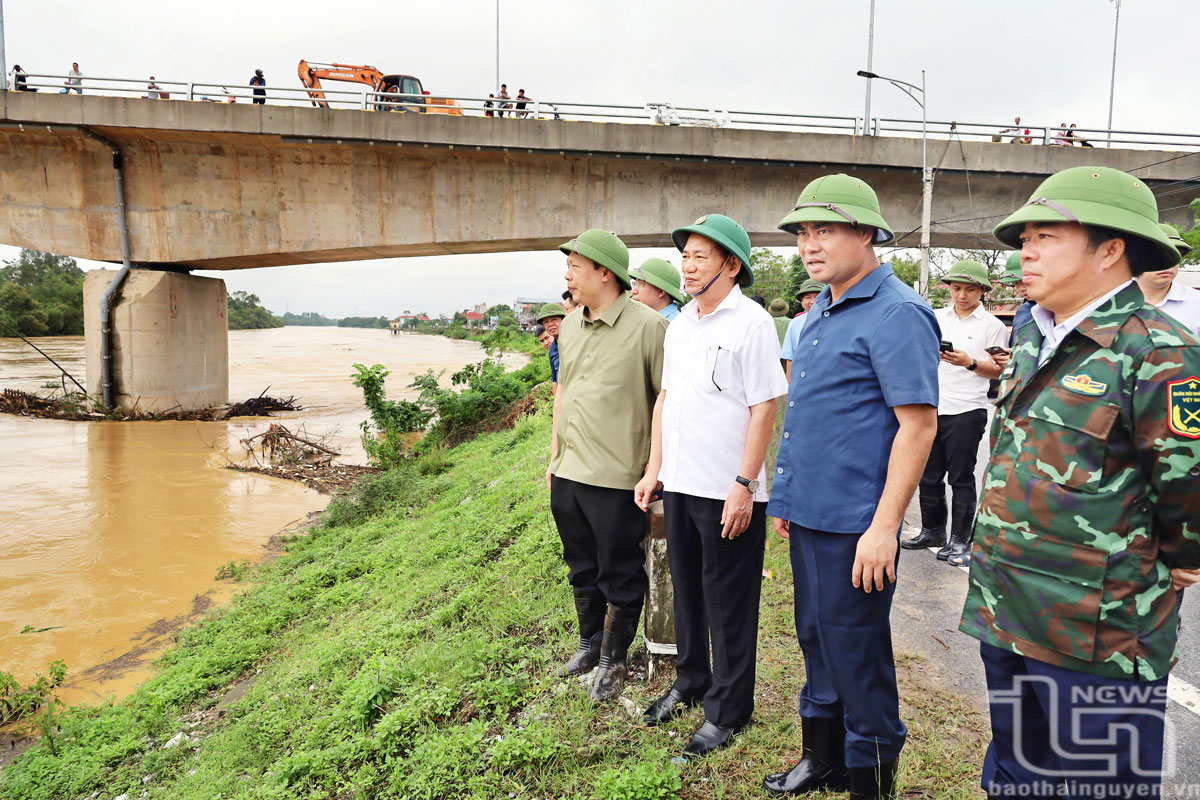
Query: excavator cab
(404,85)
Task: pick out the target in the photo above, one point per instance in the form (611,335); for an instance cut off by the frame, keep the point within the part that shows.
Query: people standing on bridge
(19,80)
(864,378)
(712,426)
(502,100)
(551,316)
(74,79)
(522,99)
(1071,134)
(260,87)
(489,106)
(809,290)
(656,283)
(1092,497)
(1168,295)
(964,375)
(568,302)
(609,377)
(153,90)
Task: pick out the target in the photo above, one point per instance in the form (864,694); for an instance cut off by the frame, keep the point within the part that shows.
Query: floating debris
(84,407)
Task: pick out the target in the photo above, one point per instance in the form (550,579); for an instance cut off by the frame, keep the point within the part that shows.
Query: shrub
(655,778)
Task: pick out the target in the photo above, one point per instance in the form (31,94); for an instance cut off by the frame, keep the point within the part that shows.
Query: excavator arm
(312,73)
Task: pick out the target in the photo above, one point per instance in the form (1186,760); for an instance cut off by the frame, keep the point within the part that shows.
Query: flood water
(111,533)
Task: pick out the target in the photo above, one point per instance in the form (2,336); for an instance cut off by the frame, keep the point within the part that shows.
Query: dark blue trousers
(1066,734)
(846,636)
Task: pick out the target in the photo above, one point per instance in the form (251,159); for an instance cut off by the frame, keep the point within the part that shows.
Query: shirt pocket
(1067,440)
(1049,591)
(720,369)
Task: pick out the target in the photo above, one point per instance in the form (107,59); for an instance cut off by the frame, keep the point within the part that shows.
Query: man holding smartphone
(964,373)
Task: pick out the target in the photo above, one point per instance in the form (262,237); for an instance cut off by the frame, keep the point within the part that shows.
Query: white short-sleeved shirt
(959,389)
(714,369)
(792,337)
(1183,303)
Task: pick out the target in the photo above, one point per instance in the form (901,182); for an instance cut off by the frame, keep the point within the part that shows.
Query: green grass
(408,650)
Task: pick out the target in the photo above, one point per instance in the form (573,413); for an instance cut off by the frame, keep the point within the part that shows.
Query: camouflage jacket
(1091,495)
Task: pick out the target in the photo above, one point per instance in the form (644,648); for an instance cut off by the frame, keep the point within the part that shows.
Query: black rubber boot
(589,607)
(620,625)
(962,531)
(822,763)
(933,524)
(873,783)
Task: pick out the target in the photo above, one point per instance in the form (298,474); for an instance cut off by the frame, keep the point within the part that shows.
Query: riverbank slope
(407,648)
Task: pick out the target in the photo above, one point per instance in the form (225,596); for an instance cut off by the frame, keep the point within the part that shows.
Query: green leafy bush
(383,434)
(19,702)
(654,778)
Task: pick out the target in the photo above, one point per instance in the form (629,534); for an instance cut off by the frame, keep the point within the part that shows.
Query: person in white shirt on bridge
(963,378)
(712,424)
(1169,295)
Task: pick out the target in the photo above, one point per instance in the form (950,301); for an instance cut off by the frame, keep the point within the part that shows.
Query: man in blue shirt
(807,296)
(864,379)
(656,283)
(551,316)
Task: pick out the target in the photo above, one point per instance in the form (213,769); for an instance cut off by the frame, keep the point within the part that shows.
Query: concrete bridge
(230,186)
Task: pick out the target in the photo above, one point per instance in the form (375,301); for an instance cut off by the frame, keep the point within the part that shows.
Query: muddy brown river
(111,533)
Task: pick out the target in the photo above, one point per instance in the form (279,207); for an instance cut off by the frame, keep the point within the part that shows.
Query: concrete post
(659,630)
(170,340)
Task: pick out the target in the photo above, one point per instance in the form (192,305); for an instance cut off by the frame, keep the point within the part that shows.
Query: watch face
(752,486)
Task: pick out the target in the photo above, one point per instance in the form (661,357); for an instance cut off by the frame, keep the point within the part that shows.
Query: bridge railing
(656,113)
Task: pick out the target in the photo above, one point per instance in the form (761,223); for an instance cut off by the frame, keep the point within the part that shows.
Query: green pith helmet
(605,249)
(1012,270)
(838,198)
(725,232)
(1176,238)
(661,275)
(968,272)
(1095,196)
(778,307)
(809,286)
(551,310)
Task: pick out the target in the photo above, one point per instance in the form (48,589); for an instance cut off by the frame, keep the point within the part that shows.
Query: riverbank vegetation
(41,294)
(406,647)
(245,312)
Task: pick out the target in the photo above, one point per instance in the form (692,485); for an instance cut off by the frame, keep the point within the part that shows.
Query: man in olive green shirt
(610,373)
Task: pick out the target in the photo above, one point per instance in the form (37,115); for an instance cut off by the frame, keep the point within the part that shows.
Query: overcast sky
(1047,60)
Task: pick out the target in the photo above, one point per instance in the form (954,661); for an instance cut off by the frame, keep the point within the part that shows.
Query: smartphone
(996,350)
(945,346)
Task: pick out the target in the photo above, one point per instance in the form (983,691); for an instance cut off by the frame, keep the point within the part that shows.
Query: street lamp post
(1112,83)
(3,65)
(926,173)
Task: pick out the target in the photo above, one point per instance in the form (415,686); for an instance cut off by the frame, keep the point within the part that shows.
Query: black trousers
(601,531)
(717,584)
(953,456)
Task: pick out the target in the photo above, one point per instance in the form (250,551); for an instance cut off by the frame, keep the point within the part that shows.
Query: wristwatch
(974,364)
(749,483)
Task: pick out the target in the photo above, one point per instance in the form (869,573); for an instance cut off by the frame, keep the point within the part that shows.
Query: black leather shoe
(667,707)
(707,738)
(822,765)
(933,525)
(873,783)
(962,531)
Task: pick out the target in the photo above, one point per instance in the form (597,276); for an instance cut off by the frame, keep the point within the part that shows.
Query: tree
(771,274)
(51,297)
(20,312)
(245,312)
(797,275)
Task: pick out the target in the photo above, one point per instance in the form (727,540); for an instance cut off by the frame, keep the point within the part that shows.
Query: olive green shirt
(609,376)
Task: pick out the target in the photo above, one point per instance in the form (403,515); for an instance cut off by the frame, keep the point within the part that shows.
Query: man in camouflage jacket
(1091,497)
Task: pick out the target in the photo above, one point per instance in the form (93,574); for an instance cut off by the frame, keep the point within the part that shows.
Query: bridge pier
(170,340)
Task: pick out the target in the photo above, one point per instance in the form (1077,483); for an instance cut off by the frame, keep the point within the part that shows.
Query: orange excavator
(311,75)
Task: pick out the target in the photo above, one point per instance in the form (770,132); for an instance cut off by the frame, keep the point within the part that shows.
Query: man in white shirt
(712,424)
(964,373)
(1169,295)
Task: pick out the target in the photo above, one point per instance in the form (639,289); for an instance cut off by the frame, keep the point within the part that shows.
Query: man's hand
(874,560)
(1183,578)
(644,490)
(957,357)
(735,517)
(1001,360)
(781,527)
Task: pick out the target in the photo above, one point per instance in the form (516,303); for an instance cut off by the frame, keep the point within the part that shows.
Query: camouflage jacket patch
(1091,495)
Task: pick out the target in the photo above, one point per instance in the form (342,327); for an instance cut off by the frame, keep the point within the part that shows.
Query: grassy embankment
(407,648)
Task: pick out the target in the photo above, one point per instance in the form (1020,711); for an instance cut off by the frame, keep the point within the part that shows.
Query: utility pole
(1112,84)
(3,64)
(497,84)
(870,53)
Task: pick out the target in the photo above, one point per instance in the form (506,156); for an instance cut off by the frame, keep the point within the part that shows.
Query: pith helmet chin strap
(708,285)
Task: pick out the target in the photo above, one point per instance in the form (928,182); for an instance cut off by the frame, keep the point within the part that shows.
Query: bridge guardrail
(657,113)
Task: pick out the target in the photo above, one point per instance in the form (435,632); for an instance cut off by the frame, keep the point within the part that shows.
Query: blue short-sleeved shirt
(874,349)
(1023,314)
(670,311)
(553,352)
(792,337)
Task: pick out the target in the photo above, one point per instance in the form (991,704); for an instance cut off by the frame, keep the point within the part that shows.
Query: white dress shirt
(1182,303)
(959,389)
(714,369)
(1054,334)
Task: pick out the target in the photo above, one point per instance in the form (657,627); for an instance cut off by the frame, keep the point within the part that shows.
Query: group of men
(1088,514)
